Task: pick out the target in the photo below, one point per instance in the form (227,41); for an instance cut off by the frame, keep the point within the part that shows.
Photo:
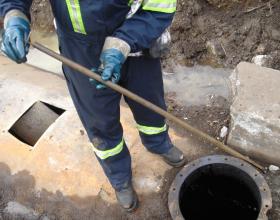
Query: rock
(262,60)
(273,168)
(272,60)
(215,48)
(255,112)
(223,132)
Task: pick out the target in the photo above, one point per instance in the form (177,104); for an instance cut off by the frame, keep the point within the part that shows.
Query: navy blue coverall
(82,27)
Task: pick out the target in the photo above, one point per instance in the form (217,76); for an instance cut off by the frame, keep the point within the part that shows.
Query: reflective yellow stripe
(76,16)
(130,2)
(151,130)
(134,6)
(166,6)
(104,154)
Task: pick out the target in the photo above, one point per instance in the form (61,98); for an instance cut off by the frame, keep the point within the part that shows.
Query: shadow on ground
(20,200)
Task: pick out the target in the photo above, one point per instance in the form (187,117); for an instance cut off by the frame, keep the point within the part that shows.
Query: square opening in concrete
(34,122)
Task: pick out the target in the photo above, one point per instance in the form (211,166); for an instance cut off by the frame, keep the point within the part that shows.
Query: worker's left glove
(114,54)
(161,47)
(15,37)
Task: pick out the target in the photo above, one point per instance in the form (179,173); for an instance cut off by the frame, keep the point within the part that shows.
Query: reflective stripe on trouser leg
(165,6)
(155,139)
(152,128)
(117,168)
(75,14)
(104,154)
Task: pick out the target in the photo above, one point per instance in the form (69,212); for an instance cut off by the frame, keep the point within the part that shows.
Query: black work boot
(174,157)
(127,198)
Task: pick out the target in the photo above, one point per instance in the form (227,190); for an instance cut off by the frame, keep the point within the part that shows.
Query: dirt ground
(20,187)
(223,33)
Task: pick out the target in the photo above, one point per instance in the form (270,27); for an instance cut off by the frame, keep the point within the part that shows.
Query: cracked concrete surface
(255,124)
(62,162)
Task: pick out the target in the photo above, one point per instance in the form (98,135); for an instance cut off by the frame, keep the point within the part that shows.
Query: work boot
(127,198)
(174,157)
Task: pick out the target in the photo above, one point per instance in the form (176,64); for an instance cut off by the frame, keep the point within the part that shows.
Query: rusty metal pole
(145,103)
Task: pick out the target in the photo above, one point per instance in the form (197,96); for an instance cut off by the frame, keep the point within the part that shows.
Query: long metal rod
(145,103)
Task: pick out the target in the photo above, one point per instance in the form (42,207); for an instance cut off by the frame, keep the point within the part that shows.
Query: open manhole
(34,122)
(219,187)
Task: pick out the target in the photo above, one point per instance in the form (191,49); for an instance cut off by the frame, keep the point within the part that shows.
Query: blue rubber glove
(15,39)
(112,57)
(95,83)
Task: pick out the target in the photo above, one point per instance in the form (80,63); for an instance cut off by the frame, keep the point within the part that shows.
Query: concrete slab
(62,164)
(255,112)
(199,85)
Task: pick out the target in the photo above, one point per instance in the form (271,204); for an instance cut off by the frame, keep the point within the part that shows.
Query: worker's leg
(144,77)
(99,112)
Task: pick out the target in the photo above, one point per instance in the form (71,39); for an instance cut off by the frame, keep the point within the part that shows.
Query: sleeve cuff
(14,13)
(116,43)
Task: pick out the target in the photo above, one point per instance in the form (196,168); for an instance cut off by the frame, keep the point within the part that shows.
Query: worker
(114,41)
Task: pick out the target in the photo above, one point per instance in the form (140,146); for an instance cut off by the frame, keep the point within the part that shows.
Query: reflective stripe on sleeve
(151,130)
(104,154)
(166,6)
(130,2)
(76,16)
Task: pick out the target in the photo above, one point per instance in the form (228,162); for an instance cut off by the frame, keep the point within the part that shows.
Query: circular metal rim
(264,190)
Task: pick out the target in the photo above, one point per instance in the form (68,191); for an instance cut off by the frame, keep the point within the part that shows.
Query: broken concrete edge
(248,123)
(234,81)
(243,144)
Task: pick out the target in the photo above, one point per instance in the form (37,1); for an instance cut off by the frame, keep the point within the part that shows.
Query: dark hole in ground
(57,110)
(219,192)
(34,122)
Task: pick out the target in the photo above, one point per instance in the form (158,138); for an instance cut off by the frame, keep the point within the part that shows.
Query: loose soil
(209,118)
(237,30)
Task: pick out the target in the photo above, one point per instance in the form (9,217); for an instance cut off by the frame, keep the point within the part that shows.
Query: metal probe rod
(145,103)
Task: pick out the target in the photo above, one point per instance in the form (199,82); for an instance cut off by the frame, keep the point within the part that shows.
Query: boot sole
(177,164)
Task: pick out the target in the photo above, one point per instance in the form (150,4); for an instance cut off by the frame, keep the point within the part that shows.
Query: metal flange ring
(220,165)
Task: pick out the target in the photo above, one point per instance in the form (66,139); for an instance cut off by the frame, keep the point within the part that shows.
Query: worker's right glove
(15,37)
